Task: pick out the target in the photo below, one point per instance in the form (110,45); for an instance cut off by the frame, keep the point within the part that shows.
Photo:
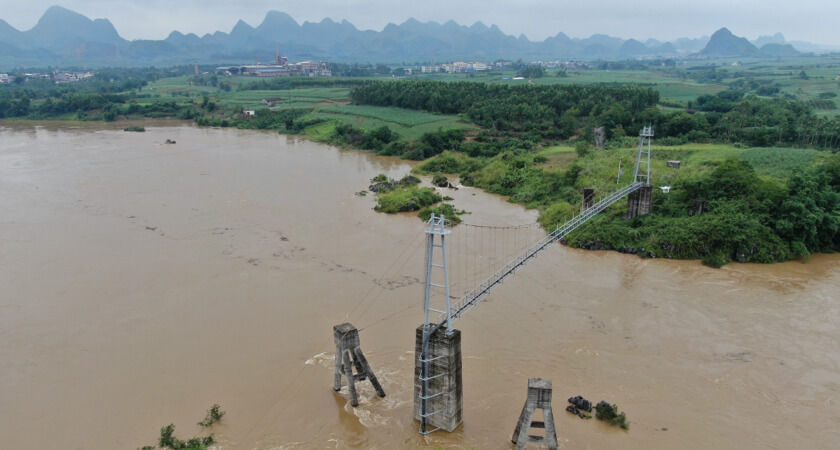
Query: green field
(678,87)
(408,124)
(779,162)
(331,104)
(695,160)
(291,98)
(404,117)
(180,90)
(822,75)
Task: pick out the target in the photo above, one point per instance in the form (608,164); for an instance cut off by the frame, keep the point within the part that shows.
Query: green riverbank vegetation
(751,215)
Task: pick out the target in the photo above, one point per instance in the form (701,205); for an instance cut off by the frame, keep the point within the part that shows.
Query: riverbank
(532,144)
(750,211)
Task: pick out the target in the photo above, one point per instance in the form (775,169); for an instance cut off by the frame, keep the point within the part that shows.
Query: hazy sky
(806,20)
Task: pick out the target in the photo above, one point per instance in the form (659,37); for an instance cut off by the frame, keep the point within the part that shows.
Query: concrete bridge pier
(588,199)
(639,202)
(348,354)
(539,396)
(444,388)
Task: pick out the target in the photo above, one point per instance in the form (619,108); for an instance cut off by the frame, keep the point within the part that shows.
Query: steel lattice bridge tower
(438,387)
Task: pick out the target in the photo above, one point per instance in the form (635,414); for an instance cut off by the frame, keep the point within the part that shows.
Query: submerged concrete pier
(539,396)
(444,390)
(348,354)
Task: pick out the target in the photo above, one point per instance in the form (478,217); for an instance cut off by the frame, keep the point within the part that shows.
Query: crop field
(167,85)
(695,159)
(180,90)
(408,124)
(308,94)
(404,117)
(779,162)
(291,98)
(687,92)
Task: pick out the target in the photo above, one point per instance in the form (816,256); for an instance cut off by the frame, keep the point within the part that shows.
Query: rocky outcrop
(600,136)
(385,186)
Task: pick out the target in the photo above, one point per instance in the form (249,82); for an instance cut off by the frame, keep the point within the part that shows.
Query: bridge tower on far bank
(639,202)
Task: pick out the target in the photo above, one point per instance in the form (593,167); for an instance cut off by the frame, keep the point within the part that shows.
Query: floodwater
(140,283)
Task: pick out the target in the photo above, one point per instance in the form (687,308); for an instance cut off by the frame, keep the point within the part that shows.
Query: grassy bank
(761,204)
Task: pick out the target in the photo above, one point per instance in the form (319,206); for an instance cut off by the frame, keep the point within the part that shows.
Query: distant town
(58,76)
(281,67)
(278,68)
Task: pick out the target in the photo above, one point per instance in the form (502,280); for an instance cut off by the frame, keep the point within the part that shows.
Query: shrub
(556,214)
(715,259)
(446,210)
(609,413)
(214,414)
(449,162)
(582,148)
(168,440)
(410,198)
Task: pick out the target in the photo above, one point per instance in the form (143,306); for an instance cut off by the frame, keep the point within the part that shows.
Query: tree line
(562,111)
(42,98)
(553,112)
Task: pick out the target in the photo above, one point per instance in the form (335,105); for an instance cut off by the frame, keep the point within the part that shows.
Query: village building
(71,77)
(456,67)
(278,68)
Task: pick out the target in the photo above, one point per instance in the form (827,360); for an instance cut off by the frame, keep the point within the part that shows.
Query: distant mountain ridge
(65,37)
(723,43)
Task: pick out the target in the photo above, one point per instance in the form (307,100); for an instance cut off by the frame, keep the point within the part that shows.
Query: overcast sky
(806,20)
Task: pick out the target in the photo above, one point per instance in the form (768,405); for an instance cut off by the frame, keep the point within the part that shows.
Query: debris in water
(581,403)
(573,409)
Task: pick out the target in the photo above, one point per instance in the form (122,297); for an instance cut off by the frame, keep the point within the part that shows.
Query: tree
(532,72)
(811,214)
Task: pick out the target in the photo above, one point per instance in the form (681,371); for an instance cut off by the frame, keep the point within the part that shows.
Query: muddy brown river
(142,282)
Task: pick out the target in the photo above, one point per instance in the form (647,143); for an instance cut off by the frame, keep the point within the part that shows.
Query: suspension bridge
(438,392)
